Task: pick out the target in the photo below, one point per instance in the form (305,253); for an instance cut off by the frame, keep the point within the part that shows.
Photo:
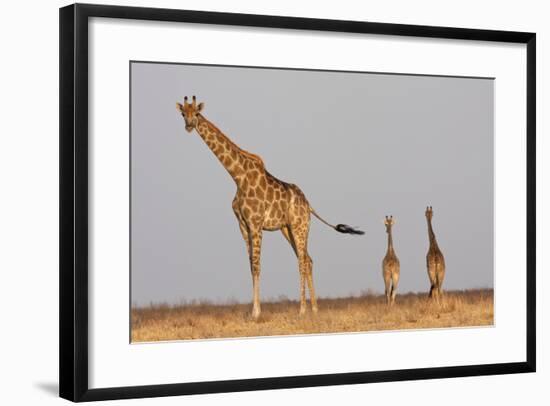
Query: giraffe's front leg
(242,225)
(244,232)
(255,238)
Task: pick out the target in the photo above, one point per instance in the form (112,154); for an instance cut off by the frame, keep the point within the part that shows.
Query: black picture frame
(73,254)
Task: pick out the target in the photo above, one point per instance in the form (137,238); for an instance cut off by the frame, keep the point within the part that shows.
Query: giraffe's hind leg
(309,276)
(395,281)
(290,238)
(286,233)
(440,277)
(387,287)
(433,280)
(434,292)
(299,233)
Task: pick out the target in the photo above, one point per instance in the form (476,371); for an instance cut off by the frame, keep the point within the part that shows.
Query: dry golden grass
(353,314)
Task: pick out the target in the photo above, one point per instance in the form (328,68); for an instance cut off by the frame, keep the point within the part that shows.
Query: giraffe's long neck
(431,235)
(228,153)
(390,242)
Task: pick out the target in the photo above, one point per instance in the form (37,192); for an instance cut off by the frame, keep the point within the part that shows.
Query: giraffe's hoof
(302,311)
(314,309)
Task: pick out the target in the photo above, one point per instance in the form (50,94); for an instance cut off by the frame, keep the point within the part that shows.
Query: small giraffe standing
(262,202)
(390,264)
(434,260)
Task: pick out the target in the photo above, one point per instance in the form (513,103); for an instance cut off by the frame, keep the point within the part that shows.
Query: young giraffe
(262,202)
(434,260)
(390,265)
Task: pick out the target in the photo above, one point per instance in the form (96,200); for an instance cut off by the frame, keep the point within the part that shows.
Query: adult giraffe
(262,202)
(435,261)
(390,265)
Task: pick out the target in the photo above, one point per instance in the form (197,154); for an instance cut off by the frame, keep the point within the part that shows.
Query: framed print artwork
(342,200)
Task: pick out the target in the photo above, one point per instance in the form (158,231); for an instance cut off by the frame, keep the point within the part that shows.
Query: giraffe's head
(389,222)
(190,111)
(429,213)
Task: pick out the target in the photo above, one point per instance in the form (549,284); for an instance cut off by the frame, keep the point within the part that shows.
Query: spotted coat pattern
(262,203)
(390,265)
(435,261)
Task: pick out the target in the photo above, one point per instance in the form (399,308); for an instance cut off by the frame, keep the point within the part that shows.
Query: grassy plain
(367,312)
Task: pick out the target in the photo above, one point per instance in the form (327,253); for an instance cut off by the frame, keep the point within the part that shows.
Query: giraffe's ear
(200,107)
(179,106)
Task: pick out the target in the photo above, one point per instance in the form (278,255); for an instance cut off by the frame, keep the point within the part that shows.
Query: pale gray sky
(359,145)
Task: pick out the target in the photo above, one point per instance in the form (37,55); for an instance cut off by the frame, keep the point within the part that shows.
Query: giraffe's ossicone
(262,202)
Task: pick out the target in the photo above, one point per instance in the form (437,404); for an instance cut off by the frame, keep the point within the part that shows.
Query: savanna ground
(367,312)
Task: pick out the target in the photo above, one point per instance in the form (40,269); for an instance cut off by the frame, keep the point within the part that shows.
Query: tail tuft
(343,228)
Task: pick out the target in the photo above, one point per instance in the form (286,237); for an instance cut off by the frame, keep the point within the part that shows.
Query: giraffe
(434,260)
(262,202)
(390,264)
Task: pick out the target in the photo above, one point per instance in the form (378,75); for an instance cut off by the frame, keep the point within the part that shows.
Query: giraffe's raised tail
(341,228)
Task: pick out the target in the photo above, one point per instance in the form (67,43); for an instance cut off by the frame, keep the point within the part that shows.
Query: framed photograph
(256,202)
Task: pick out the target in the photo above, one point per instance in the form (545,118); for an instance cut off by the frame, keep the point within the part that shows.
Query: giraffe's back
(285,204)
